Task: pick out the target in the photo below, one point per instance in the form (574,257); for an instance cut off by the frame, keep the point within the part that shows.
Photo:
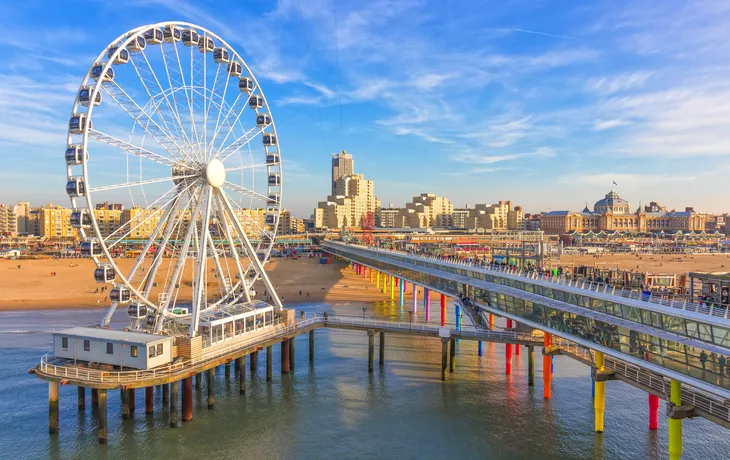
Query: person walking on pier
(723,361)
(703,359)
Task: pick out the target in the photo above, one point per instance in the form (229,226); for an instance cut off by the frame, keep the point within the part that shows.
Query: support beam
(94,397)
(211,388)
(599,400)
(452,355)
(187,399)
(546,368)
(269,362)
(101,432)
(81,398)
(132,401)
(53,407)
(530,366)
(381,350)
(199,381)
(165,394)
(126,413)
(675,425)
(508,359)
(149,400)
(371,350)
(444,357)
(253,359)
(311,346)
(175,393)
(292,342)
(227,371)
(241,375)
(285,356)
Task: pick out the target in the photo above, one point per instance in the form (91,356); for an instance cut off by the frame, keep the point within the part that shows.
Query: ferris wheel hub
(215,173)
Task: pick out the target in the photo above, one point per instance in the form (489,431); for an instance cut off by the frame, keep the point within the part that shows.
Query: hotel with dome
(612,214)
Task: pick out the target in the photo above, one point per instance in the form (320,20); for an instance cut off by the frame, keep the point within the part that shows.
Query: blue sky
(542,102)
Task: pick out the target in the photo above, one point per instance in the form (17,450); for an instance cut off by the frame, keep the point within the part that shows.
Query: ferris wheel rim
(121,42)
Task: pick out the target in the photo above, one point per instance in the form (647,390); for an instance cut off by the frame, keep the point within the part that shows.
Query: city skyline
(520,111)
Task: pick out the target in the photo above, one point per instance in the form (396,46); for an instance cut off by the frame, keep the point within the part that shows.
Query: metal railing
(720,311)
(717,407)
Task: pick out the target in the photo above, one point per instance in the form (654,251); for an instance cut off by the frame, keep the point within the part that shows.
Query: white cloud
(602,125)
(471,157)
(623,82)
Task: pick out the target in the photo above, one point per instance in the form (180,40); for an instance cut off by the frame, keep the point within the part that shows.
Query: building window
(87,345)
(153,351)
(159,349)
(133,351)
(109,348)
(64,342)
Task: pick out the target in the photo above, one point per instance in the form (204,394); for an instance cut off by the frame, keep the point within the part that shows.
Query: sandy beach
(33,287)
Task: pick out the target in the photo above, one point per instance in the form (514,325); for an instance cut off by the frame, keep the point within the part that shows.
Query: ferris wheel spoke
(140,116)
(244,167)
(133,149)
(199,294)
(176,82)
(222,282)
(140,183)
(169,117)
(188,95)
(258,266)
(239,143)
(128,225)
(212,102)
(245,191)
(221,123)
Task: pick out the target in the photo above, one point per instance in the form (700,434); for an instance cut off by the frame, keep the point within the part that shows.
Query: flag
(614,183)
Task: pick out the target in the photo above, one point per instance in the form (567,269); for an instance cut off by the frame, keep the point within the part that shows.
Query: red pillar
(508,359)
(547,368)
(653,412)
(517,347)
(364,272)
(443,310)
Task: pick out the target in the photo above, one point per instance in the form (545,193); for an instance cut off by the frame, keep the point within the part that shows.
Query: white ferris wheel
(170,120)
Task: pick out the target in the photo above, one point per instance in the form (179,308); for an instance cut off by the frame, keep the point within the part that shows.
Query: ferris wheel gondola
(183,133)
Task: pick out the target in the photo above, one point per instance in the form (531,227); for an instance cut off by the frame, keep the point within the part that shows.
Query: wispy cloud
(545,34)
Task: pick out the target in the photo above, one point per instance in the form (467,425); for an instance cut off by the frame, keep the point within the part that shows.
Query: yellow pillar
(392,287)
(675,425)
(377,279)
(599,402)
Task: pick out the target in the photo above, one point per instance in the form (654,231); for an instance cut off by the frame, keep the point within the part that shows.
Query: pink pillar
(364,272)
(415,299)
(653,412)
(443,310)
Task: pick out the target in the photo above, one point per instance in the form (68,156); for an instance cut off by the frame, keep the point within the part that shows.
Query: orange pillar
(443,310)
(491,322)
(547,368)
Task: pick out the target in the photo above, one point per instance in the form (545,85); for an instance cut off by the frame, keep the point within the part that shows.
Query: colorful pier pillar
(443,310)
(377,279)
(546,368)
(653,412)
(401,288)
(491,322)
(599,400)
(675,424)
(392,287)
(508,359)
(426,296)
(415,299)
(480,348)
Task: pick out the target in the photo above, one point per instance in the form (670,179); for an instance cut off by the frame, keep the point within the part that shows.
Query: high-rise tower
(342,165)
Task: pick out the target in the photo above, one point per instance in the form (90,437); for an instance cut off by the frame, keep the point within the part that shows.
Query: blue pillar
(593,389)
(480,348)
(425,296)
(552,364)
(400,292)
(457,311)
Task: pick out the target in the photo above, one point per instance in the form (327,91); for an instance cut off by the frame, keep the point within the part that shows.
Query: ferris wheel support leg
(252,254)
(198,298)
(234,251)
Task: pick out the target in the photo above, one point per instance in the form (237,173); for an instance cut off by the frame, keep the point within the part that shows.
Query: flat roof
(111,335)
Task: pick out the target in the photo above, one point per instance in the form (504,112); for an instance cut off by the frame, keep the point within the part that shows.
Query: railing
(720,311)
(102,376)
(717,407)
